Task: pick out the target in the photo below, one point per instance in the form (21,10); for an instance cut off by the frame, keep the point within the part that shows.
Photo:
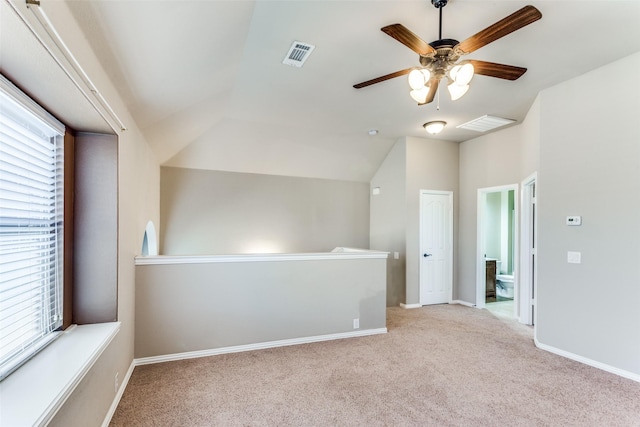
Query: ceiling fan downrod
(439,4)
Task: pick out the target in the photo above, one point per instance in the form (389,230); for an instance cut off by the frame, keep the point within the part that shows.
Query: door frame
(481,274)
(528,270)
(449,283)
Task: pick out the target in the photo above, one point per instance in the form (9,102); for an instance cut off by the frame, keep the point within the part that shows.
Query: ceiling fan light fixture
(453,72)
(418,78)
(420,95)
(440,56)
(434,127)
(462,73)
(456,91)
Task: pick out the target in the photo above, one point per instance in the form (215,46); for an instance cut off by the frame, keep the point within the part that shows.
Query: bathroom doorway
(497,282)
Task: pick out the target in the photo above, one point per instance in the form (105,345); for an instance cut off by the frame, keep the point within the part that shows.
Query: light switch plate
(574,257)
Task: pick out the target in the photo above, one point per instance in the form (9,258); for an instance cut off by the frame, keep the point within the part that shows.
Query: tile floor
(501,307)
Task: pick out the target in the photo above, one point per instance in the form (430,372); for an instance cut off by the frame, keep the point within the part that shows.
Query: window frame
(65,256)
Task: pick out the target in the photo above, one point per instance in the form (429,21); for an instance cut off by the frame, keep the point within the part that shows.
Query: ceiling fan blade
(433,88)
(511,23)
(383,78)
(410,40)
(501,71)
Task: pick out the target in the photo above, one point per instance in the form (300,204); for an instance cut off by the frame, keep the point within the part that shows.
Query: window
(31,228)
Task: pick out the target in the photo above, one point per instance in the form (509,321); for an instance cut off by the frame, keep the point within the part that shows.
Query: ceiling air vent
(298,54)
(485,123)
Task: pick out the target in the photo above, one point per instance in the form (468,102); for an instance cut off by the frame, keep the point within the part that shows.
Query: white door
(436,251)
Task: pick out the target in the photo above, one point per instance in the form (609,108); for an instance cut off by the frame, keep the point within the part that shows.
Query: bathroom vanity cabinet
(491,278)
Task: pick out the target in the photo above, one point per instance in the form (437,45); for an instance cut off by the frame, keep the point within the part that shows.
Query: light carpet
(445,365)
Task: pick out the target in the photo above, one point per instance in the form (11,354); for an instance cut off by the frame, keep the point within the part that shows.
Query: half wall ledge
(202,304)
(337,253)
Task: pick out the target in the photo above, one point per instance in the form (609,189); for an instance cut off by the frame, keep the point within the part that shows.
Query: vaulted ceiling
(205,82)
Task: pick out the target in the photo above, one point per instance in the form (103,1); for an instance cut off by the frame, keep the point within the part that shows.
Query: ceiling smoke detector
(298,53)
(485,123)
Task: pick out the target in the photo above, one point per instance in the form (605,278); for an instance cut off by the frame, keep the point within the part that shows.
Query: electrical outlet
(356,323)
(117,381)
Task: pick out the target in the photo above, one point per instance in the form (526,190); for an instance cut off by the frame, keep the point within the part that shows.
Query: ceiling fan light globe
(420,95)
(456,91)
(453,72)
(464,74)
(419,78)
(416,79)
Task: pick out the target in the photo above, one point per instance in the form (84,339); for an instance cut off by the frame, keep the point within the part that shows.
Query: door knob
(426,255)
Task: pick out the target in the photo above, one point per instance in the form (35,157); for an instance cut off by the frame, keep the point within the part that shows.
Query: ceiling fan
(439,59)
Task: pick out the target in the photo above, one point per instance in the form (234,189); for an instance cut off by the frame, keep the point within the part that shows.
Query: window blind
(31,229)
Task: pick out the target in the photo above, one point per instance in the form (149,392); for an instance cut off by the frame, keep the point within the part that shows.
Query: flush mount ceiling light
(434,127)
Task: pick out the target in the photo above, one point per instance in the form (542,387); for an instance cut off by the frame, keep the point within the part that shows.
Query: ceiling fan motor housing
(444,58)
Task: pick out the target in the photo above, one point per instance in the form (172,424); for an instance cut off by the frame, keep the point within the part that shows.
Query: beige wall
(138,202)
(388,219)
(431,165)
(95,250)
(501,158)
(590,166)
(583,310)
(412,165)
(211,212)
(221,304)
(587,309)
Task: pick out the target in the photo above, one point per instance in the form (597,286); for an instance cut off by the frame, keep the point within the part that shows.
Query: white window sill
(32,395)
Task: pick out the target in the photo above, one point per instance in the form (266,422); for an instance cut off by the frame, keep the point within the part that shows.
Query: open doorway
(497,280)
(528,252)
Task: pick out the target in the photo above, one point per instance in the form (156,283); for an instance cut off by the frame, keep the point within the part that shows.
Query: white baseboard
(116,400)
(409,306)
(586,361)
(468,304)
(258,346)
